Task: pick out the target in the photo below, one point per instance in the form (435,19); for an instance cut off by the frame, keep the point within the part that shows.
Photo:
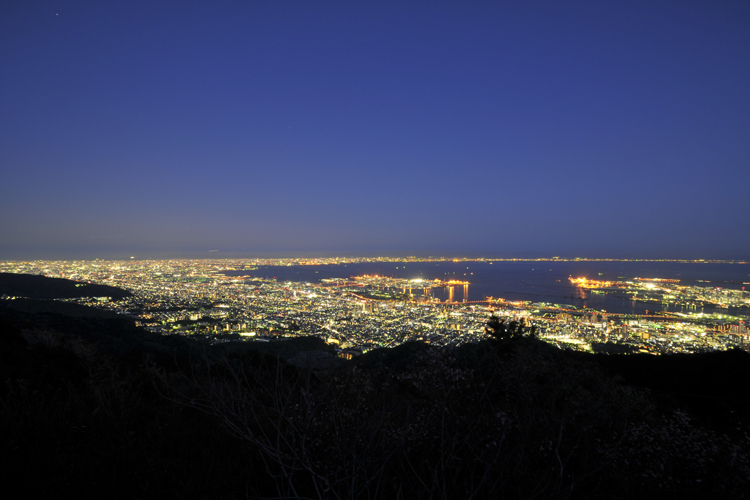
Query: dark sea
(528,281)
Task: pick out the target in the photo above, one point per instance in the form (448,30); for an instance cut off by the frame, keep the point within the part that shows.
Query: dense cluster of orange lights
(436,281)
(586,283)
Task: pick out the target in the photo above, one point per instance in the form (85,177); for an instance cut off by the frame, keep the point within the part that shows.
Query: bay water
(535,281)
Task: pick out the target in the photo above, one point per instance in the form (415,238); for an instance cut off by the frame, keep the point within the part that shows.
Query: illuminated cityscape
(359,313)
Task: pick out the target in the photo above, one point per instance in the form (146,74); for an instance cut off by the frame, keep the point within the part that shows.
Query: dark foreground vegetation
(95,407)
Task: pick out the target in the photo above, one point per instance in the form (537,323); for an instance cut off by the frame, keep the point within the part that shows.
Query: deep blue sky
(445,128)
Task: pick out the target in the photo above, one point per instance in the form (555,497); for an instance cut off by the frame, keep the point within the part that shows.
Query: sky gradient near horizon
(597,129)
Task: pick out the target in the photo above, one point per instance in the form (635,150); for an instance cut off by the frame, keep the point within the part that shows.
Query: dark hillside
(110,333)
(40,287)
(98,407)
(711,386)
(35,306)
(82,411)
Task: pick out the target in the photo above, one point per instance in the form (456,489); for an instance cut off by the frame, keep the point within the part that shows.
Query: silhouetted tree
(500,330)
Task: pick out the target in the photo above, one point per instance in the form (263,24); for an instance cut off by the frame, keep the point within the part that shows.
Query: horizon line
(308,260)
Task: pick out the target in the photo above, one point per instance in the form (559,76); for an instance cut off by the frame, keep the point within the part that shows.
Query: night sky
(158,129)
